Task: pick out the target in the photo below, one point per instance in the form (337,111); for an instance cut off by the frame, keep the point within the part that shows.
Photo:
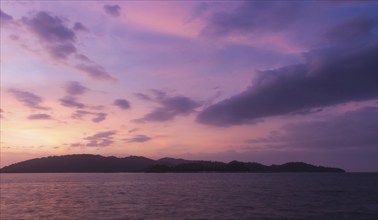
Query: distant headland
(88,163)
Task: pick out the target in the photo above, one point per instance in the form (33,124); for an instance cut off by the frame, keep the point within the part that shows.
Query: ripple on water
(189,196)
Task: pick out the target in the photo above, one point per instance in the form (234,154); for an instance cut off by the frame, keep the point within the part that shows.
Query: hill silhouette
(88,163)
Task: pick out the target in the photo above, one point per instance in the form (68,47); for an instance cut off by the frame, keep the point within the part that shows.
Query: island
(88,163)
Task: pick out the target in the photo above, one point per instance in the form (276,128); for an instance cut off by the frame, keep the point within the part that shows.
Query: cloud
(77,145)
(50,28)
(28,99)
(113,10)
(59,41)
(122,103)
(71,102)
(157,115)
(57,37)
(329,77)
(75,88)
(79,114)
(142,96)
(83,58)
(94,71)
(61,51)
(80,27)
(170,107)
(101,139)
(39,117)
(353,129)
(101,135)
(138,138)
(354,30)
(133,130)
(252,17)
(100,143)
(5,18)
(97,116)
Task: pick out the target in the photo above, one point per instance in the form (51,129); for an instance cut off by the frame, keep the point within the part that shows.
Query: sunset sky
(262,81)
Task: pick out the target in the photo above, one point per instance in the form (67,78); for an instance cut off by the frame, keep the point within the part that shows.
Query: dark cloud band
(328,77)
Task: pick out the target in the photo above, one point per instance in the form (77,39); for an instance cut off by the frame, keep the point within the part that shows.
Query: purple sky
(262,81)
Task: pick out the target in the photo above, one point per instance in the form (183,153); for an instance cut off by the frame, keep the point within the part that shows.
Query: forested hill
(87,163)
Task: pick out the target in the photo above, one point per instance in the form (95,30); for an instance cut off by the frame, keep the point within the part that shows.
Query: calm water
(189,196)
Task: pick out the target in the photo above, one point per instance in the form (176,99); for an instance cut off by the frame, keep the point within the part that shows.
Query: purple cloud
(354,30)
(95,71)
(61,51)
(79,114)
(98,117)
(170,107)
(138,138)
(329,77)
(133,130)
(157,115)
(79,27)
(159,94)
(101,139)
(28,99)
(179,104)
(122,103)
(142,96)
(100,143)
(39,117)
(250,17)
(113,10)
(71,102)
(82,57)
(59,41)
(5,18)
(75,88)
(50,28)
(77,145)
(101,135)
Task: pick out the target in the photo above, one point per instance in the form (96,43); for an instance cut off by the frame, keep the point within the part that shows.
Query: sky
(260,81)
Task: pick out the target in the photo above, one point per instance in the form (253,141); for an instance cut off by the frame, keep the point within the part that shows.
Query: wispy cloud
(138,139)
(250,17)
(60,41)
(170,107)
(95,71)
(122,103)
(97,116)
(75,88)
(113,10)
(5,18)
(28,99)
(80,27)
(39,117)
(71,102)
(100,139)
(50,28)
(142,96)
(356,30)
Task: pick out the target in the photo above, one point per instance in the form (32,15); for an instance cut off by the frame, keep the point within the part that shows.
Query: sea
(217,196)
